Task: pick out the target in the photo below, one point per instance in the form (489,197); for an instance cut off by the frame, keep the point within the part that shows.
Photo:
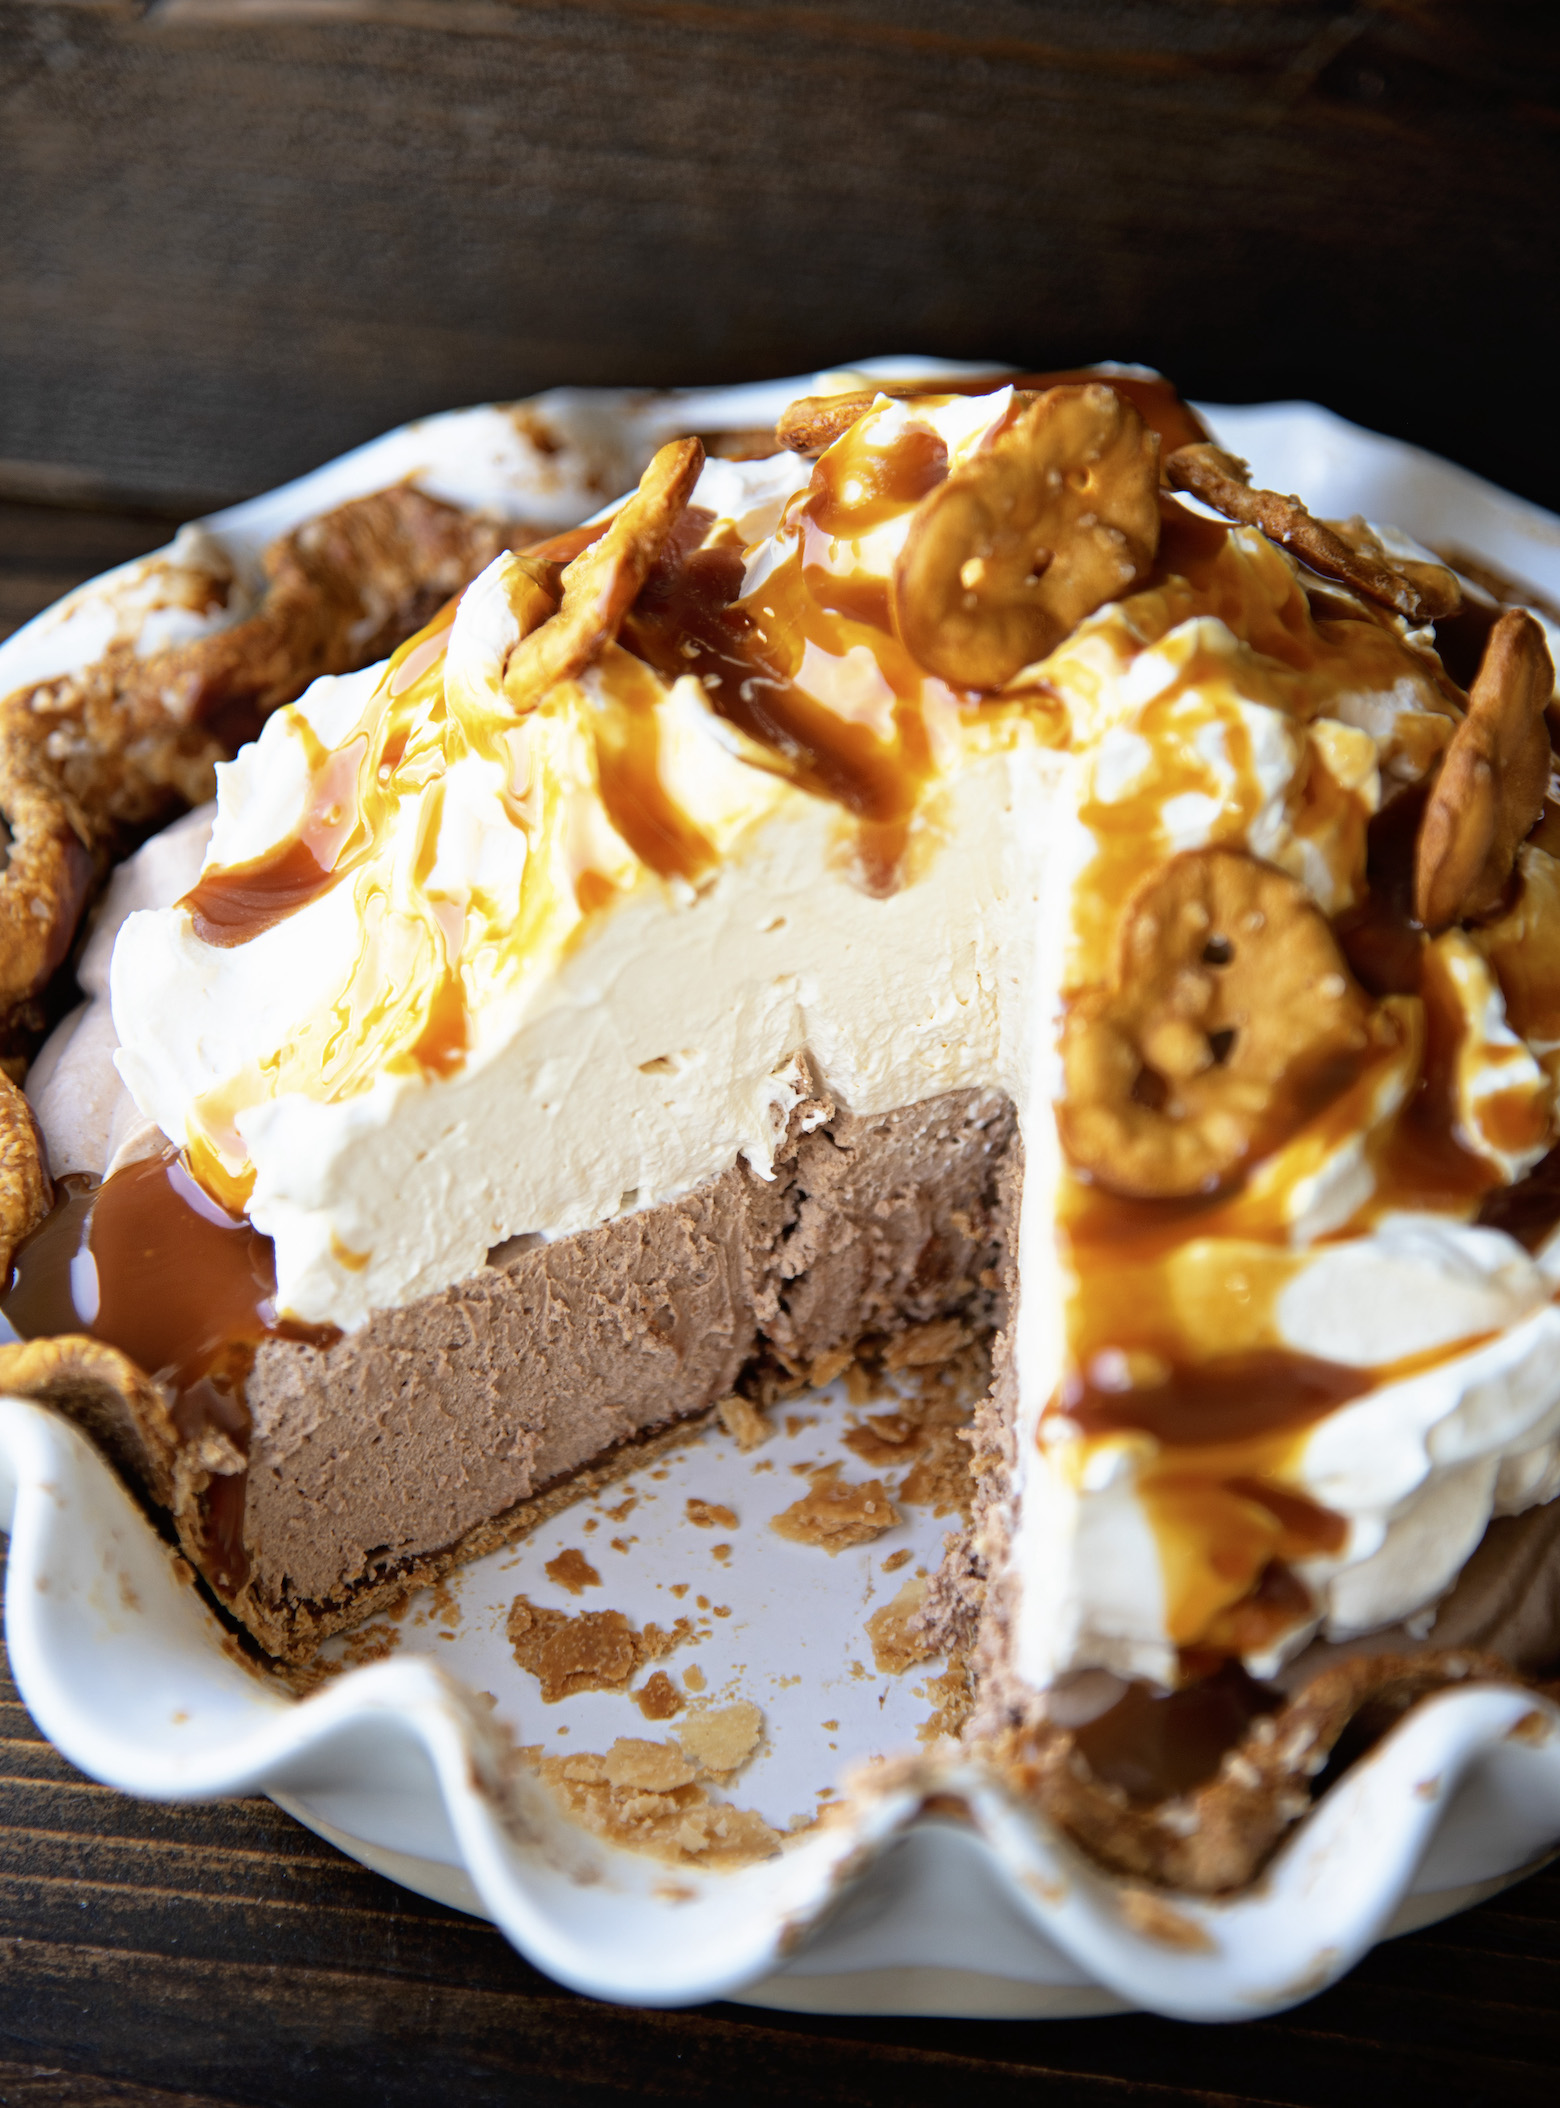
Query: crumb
(743,1422)
(1149,1913)
(831,1726)
(787,1683)
(370,1643)
(659,1698)
(798,1423)
(703,1602)
(705,1514)
(621,1544)
(765,1464)
(940,1478)
(860,1386)
(835,1514)
(592,1522)
(828,1366)
(649,1767)
(951,1699)
(443,1605)
(722,1552)
(623,1510)
(858,1672)
(679,1589)
(883,1438)
(895,1647)
(597,1651)
(723,1610)
(647,1796)
(693,1677)
(924,1345)
(722,1742)
(896,1560)
(662,1473)
(572,1571)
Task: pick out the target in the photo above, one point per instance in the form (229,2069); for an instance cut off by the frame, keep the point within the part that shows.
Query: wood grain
(45,550)
(241,234)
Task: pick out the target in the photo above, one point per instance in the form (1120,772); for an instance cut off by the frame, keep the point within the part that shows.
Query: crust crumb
(721,1742)
(882,1438)
(648,1797)
(952,1699)
(1148,1913)
(896,1644)
(572,1571)
(658,1698)
(896,1560)
(834,1513)
(828,1366)
(923,1345)
(369,1643)
(705,1514)
(597,1651)
(649,1767)
(743,1421)
(925,1432)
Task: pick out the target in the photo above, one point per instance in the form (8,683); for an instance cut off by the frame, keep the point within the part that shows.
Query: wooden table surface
(180,1957)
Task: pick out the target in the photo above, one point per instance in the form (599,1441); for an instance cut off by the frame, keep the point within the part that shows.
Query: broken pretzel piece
(1219,480)
(603,581)
(1490,791)
(812,423)
(1233,1019)
(1022,540)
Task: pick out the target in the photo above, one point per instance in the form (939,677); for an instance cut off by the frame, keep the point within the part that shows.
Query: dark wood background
(237,236)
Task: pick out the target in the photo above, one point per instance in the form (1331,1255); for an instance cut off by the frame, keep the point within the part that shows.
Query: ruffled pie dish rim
(530,1869)
(130,1675)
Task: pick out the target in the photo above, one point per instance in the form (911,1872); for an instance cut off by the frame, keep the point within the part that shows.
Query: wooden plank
(51,2086)
(47,549)
(240,237)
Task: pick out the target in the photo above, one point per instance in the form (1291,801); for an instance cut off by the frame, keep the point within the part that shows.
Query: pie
(977,870)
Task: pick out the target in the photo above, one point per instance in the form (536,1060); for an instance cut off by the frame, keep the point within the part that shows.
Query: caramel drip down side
(147,1263)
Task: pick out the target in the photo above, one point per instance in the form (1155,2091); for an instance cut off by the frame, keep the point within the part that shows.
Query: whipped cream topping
(456,972)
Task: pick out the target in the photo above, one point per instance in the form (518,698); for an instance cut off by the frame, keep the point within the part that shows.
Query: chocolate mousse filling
(342,1470)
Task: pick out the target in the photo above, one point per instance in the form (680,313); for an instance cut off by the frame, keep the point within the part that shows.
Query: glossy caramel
(148,1263)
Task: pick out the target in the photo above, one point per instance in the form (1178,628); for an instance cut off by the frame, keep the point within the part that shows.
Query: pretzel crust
(1216,1839)
(90,761)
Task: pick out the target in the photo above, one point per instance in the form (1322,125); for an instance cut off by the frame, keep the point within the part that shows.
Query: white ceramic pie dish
(886,1908)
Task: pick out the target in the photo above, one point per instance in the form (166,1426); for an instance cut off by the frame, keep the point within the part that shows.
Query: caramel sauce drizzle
(1156,1745)
(1152,1282)
(751,655)
(147,1262)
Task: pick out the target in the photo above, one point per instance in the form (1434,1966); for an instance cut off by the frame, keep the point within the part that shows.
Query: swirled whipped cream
(458,970)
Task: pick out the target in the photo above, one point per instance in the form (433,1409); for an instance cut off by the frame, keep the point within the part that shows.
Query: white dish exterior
(885,1909)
